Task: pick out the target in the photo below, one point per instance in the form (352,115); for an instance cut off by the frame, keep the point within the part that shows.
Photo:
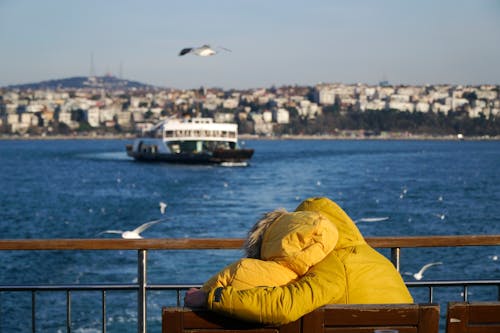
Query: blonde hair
(254,239)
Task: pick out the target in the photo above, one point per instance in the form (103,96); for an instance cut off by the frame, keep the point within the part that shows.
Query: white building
(376,104)
(267,116)
(487,94)
(92,116)
(124,118)
(325,96)
(282,116)
(223,117)
(28,119)
(438,107)
(65,118)
(400,98)
(137,116)
(230,103)
(422,107)
(401,106)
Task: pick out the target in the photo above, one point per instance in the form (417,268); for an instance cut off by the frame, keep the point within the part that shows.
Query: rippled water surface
(79,188)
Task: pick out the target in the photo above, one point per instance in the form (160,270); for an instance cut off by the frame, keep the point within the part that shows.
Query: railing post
(33,311)
(141,293)
(395,256)
(68,311)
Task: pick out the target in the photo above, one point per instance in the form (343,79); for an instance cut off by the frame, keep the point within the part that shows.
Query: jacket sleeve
(248,273)
(324,283)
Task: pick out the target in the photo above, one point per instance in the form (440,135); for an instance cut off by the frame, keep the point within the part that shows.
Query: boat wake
(234,164)
(109,156)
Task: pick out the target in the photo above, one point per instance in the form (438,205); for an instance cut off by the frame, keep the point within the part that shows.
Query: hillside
(78,82)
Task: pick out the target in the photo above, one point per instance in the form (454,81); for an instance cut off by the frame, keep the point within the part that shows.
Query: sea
(79,188)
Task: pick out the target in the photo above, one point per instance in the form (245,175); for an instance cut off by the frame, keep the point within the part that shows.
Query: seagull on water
(420,274)
(132,234)
(202,51)
(163,207)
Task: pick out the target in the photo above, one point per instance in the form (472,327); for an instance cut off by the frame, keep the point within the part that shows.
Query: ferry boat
(191,141)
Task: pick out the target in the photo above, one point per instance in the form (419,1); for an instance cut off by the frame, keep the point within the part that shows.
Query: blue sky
(273,42)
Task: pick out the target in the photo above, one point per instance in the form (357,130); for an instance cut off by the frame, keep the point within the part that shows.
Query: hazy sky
(273,42)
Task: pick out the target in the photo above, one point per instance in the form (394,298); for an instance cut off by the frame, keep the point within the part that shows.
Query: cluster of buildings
(257,111)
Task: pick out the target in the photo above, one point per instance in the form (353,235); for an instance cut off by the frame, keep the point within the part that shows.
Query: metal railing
(142,246)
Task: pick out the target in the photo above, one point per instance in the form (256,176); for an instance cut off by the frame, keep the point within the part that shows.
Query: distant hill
(77,82)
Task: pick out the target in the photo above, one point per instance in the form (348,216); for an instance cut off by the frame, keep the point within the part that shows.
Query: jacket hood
(349,234)
(296,240)
(254,238)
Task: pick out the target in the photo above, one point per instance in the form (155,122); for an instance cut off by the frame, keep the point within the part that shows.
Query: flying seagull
(132,234)
(202,51)
(420,274)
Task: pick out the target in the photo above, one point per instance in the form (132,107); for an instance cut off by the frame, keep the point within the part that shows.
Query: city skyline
(273,43)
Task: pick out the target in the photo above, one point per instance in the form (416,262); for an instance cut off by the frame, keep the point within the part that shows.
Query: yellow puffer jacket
(352,273)
(289,244)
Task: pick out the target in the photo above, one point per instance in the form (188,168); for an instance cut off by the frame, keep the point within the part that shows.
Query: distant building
(325,96)
(92,116)
(282,116)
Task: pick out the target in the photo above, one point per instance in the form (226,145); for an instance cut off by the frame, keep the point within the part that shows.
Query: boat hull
(219,156)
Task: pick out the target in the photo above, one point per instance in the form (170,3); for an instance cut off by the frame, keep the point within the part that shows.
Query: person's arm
(324,283)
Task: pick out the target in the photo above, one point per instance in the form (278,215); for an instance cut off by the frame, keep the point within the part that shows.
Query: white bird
(420,274)
(440,216)
(132,234)
(202,51)
(163,207)
(371,219)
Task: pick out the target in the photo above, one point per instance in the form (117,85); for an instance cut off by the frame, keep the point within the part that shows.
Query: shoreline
(386,137)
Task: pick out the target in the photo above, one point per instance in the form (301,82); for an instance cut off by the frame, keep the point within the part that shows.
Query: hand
(195,298)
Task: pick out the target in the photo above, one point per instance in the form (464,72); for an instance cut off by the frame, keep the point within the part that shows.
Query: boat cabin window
(199,133)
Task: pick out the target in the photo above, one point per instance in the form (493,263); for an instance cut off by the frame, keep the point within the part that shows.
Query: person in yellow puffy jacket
(352,273)
(280,248)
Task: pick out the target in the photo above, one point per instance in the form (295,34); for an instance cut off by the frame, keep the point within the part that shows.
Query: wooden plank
(183,320)
(473,317)
(483,329)
(434,241)
(313,321)
(375,315)
(456,318)
(229,243)
(484,313)
(122,244)
(350,318)
(370,329)
(171,321)
(428,318)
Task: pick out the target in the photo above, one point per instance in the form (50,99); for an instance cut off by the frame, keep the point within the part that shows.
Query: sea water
(80,188)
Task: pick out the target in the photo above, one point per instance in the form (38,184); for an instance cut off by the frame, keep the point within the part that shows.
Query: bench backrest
(181,320)
(405,318)
(402,318)
(473,317)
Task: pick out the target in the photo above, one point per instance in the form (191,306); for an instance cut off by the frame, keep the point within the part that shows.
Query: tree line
(374,122)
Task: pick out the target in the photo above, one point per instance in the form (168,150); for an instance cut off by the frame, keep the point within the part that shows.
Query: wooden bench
(183,320)
(361,318)
(405,318)
(473,317)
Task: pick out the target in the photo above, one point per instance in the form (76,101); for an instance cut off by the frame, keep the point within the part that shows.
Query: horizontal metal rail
(465,284)
(143,245)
